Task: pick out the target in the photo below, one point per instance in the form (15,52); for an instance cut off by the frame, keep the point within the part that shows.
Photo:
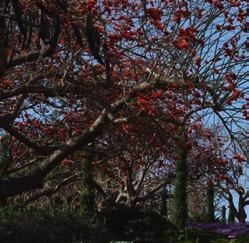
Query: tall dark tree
(210,202)
(87,195)
(180,191)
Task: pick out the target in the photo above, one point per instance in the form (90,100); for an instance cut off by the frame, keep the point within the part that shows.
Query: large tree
(73,72)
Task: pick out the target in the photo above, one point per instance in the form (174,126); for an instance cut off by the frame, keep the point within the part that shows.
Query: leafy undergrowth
(65,225)
(199,236)
(242,239)
(47,225)
(196,236)
(216,232)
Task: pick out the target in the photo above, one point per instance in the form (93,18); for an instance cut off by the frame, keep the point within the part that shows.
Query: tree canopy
(139,84)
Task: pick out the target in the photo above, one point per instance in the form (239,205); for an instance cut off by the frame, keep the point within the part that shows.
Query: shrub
(46,225)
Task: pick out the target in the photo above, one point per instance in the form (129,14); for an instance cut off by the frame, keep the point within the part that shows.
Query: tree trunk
(232,213)
(242,216)
(87,197)
(232,210)
(223,214)
(210,202)
(164,205)
(241,210)
(3,43)
(180,193)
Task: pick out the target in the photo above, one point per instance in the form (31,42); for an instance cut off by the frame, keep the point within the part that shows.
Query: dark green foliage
(5,159)
(204,237)
(126,223)
(164,204)
(66,225)
(117,218)
(5,153)
(195,236)
(198,217)
(180,194)
(46,225)
(241,239)
(87,201)
(210,203)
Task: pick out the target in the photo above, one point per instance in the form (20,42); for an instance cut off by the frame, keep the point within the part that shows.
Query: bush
(241,239)
(205,236)
(126,223)
(46,225)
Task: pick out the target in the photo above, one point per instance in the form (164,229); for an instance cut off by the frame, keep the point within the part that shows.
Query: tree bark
(232,210)
(180,192)
(164,205)
(210,202)
(11,186)
(223,214)
(87,196)
(241,209)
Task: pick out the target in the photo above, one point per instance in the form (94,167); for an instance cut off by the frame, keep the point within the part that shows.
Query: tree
(233,185)
(87,197)
(210,202)
(130,168)
(77,70)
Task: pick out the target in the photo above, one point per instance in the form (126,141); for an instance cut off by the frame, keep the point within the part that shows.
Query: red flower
(229,27)
(152,111)
(157,94)
(128,35)
(198,13)
(222,162)
(234,3)
(231,86)
(239,157)
(142,101)
(198,61)
(7,82)
(236,94)
(182,44)
(245,113)
(230,77)
(210,183)
(188,145)
(66,162)
(155,13)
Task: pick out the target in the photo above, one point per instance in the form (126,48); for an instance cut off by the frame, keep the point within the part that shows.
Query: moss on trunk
(180,193)
(87,197)
(210,202)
